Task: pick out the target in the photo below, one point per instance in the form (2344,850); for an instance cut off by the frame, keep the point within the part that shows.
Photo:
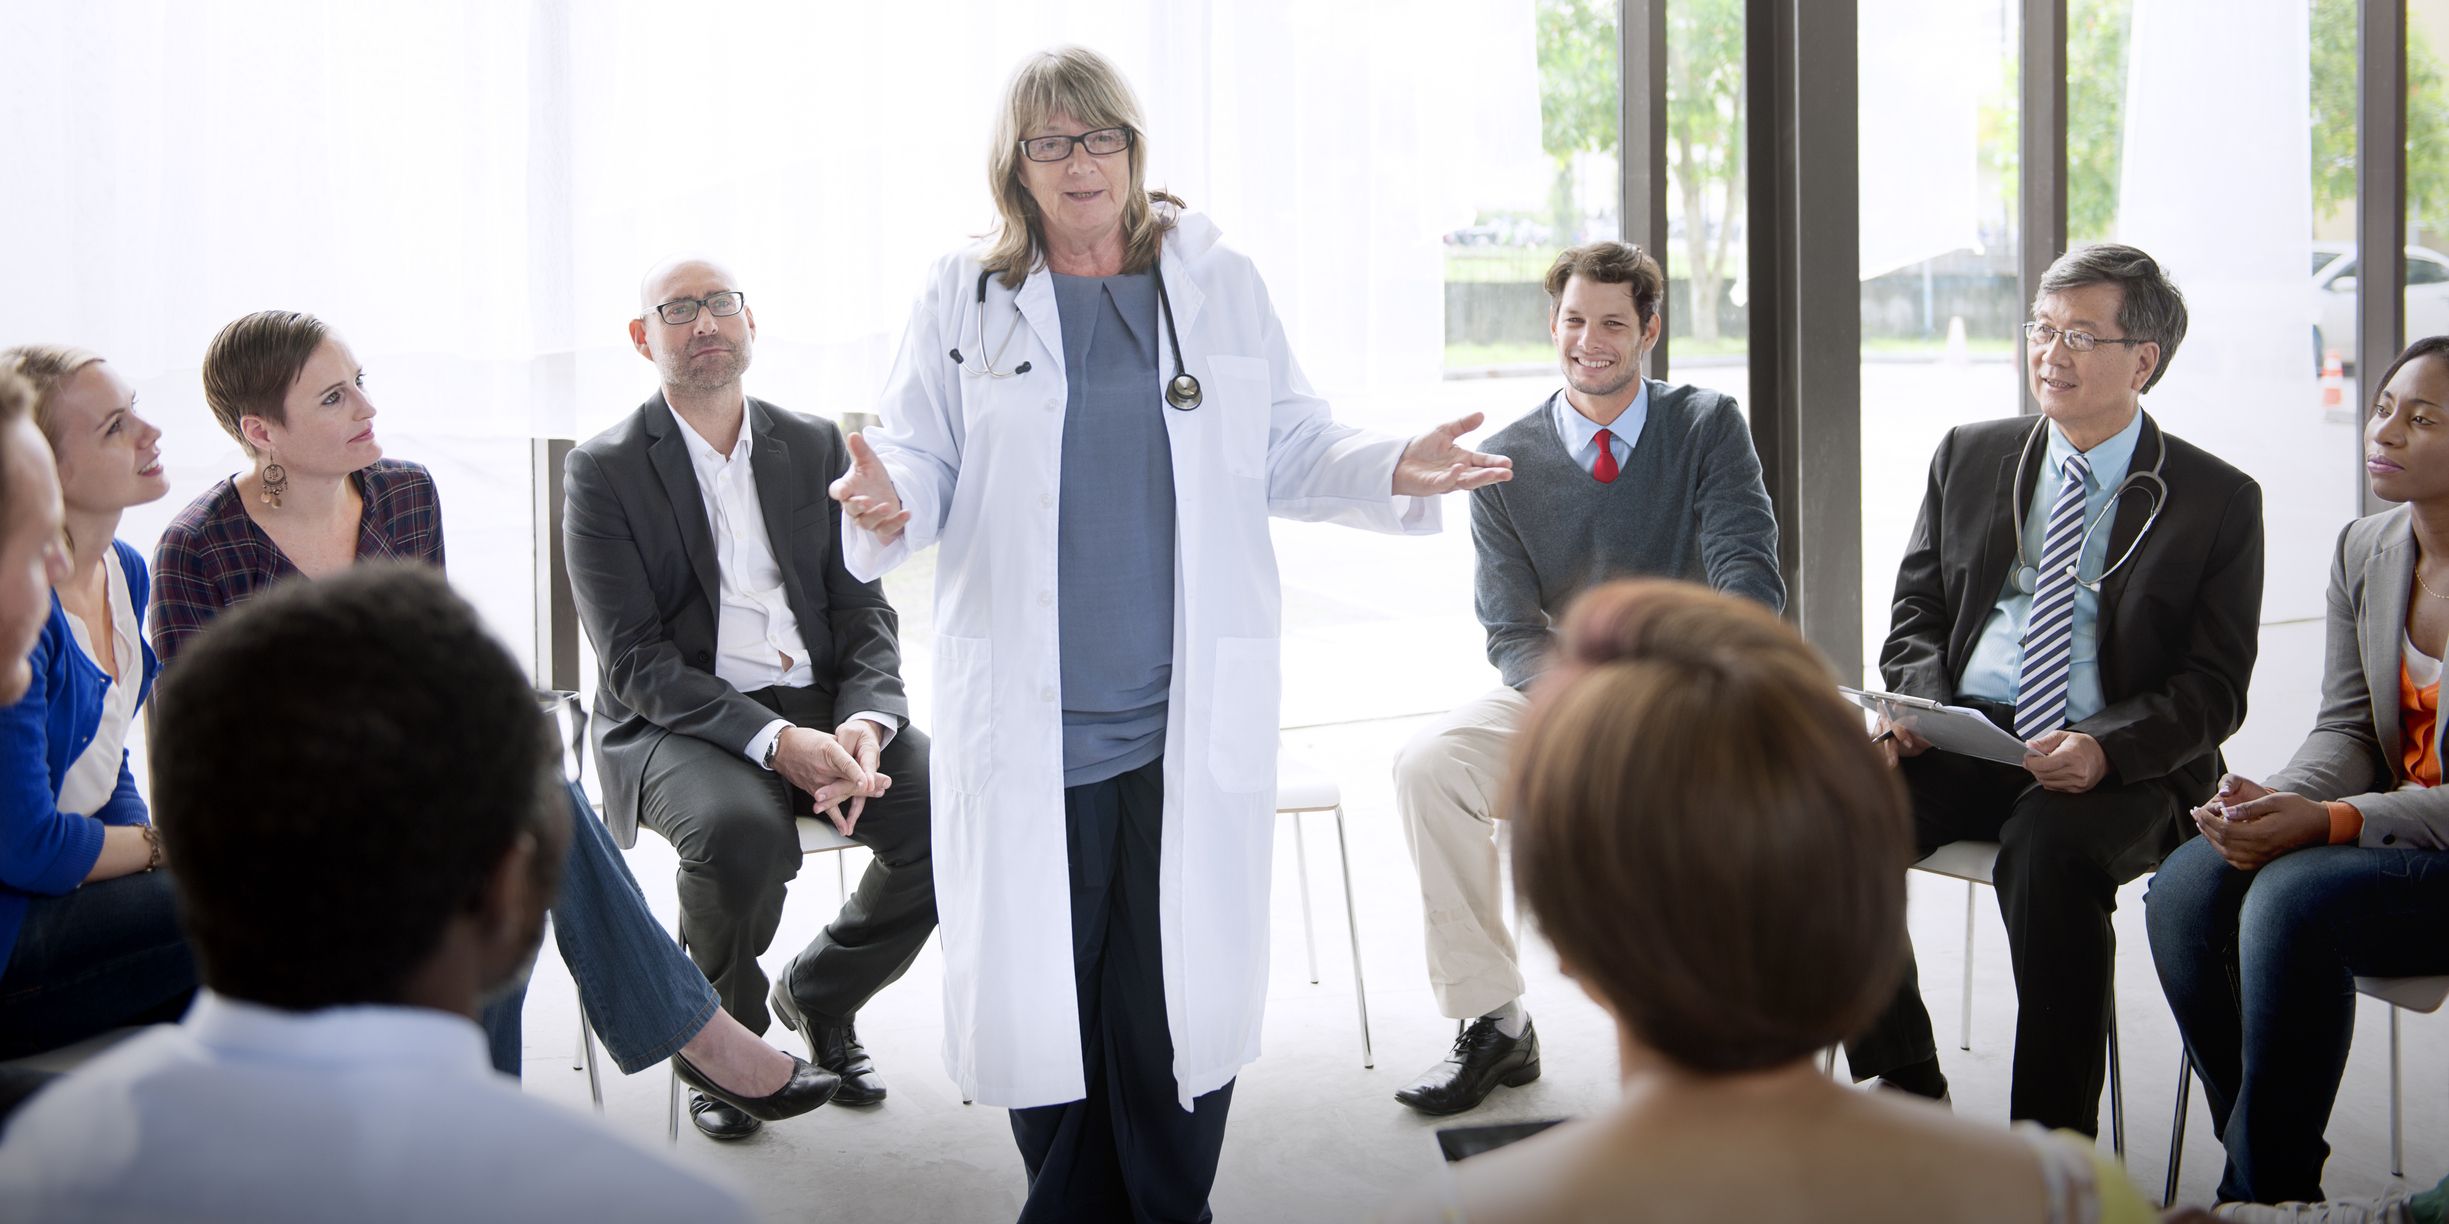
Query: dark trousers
(2260,968)
(101,956)
(2061,858)
(1127,1151)
(731,821)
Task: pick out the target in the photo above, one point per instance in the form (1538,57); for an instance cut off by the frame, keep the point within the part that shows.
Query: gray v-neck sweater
(1688,504)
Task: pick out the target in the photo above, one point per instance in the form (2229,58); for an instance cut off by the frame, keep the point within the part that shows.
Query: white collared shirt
(368,1114)
(757,643)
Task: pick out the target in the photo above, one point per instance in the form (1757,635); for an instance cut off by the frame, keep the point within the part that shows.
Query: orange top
(2418,711)
(2418,752)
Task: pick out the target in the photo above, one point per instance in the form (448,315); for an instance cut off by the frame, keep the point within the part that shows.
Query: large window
(1940,303)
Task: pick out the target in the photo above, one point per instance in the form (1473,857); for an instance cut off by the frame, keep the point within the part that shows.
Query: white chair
(2415,994)
(1973,862)
(1301,789)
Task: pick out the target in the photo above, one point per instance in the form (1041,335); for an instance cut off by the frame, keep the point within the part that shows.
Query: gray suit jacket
(2353,753)
(644,572)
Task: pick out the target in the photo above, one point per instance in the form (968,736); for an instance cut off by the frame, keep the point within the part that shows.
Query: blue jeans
(640,991)
(2260,966)
(95,958)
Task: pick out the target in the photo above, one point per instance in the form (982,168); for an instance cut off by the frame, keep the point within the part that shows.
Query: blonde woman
(1094,414)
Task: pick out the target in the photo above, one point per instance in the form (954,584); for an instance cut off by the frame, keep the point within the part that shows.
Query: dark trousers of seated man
(732,822)
(2061,858)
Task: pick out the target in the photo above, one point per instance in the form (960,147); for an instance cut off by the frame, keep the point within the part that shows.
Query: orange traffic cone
(2333,380)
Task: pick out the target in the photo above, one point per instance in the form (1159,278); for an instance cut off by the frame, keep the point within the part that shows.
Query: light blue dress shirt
(1998,654)
(1581,434)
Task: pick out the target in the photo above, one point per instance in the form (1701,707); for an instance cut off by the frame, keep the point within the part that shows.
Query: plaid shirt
(213,557)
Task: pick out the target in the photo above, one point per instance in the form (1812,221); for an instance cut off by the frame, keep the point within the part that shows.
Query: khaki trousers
(1447,780)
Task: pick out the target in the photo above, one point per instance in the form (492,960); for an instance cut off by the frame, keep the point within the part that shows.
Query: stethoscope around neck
(1181,392)
(2028,574)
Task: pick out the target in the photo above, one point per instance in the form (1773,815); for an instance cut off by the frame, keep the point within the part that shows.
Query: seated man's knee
(744,849)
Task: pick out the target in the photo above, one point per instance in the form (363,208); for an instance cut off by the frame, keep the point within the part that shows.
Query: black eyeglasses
(684,310)
(2080,341)
(1104,142)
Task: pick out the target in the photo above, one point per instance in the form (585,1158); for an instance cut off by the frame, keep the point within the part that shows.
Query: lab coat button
(1046,500)
(1046,693)
(1045,599)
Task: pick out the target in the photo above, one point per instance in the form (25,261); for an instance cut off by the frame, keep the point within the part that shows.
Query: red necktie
(1605,467)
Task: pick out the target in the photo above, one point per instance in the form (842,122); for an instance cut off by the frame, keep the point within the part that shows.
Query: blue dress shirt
(1581,434)
(1998,654)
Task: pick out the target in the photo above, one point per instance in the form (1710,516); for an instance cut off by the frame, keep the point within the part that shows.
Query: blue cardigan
(44,851)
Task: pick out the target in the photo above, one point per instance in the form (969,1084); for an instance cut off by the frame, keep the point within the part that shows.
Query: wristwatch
(773,746)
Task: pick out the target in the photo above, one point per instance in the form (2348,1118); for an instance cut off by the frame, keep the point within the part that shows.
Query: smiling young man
(1615,475)
(2093,585)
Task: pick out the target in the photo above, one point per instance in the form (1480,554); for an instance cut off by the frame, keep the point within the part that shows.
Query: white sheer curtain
(470,191)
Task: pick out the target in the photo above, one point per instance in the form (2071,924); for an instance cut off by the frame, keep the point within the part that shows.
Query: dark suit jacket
(2178,624)
(643,569)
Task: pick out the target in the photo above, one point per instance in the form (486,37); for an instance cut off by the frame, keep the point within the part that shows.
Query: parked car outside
(2334,282)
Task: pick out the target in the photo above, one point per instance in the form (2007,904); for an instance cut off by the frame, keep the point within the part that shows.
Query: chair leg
(1309,929)
(586,1059)
(2176,1127)
(1352,923)
(671,1132)
(2117,1089)
(2397,1149)
(1964,1024)
(841,879)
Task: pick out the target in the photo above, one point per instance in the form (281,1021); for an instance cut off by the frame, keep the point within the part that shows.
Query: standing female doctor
(1093,414)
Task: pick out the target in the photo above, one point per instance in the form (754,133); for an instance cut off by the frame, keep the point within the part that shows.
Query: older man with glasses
(2091,584)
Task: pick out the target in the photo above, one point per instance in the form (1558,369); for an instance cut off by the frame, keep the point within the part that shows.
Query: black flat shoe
(719,1119)
(1483,1058)
(809,1087)
(835,1047)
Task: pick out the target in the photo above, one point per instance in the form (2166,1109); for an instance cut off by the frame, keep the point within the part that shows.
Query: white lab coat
(977,462)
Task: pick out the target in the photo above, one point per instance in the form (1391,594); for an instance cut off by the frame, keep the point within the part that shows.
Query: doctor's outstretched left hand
(1434,464)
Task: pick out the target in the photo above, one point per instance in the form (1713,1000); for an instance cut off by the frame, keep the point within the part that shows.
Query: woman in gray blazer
(2339,865)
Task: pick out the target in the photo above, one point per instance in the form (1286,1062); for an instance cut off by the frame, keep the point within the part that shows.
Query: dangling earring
(276,482)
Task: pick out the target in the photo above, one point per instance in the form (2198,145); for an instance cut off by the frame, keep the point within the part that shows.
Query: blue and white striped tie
(2049,629)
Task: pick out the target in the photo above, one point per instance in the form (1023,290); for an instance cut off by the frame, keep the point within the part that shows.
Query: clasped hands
(2251,824)
(838,771)
(2061,760)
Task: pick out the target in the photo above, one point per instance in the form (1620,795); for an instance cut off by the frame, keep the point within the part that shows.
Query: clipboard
(1953,728)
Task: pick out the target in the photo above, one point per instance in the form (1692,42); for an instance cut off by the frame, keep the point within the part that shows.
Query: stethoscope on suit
(1182,393)
(2028,575)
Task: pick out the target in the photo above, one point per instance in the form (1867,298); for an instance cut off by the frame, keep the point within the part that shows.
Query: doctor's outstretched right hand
(866,492)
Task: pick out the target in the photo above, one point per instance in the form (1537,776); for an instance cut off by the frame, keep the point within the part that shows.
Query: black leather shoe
(809,1087)
(1483,1058)
(720,1119)
(835,1047)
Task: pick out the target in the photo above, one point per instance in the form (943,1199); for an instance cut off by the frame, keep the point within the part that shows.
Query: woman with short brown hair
(1710,842)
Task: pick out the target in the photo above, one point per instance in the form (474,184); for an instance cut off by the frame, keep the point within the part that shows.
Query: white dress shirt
(757,643)
(93,777)
(367,1114)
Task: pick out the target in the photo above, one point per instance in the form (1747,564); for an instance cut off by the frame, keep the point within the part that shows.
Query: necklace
(2427,587)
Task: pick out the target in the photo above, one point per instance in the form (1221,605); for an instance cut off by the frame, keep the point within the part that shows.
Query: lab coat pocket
(1237,393)
(964,745)
(1248,694)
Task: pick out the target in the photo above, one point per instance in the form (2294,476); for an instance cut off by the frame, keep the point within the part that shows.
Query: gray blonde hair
(1085,85)
(45,368)
(2149,306)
